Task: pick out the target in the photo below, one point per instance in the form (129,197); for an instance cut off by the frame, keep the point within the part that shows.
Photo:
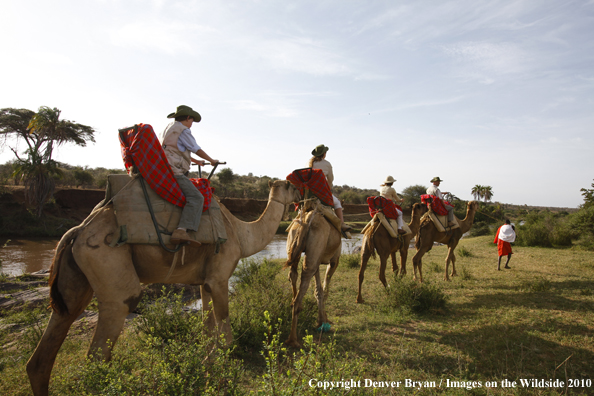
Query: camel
(378,239)
(84,263)
(322,243)
(428,234)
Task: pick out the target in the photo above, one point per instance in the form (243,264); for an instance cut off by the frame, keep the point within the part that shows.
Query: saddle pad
(385,205)
(313,180)
(441,222)
(135,222)
(436,203)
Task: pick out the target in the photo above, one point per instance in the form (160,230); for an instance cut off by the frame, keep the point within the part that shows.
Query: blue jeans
(192,212)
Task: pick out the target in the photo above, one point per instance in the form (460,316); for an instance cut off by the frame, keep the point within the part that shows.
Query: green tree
(83,177)
(477,192)
(487,193)
(42,132)
(412,194)
(588,195)
(226,176)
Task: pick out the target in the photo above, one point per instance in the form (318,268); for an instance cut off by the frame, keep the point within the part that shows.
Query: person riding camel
(434,190)
(387,191)
(318,161)
(178,144)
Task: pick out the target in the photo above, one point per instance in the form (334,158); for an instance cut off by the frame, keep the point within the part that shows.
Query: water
(34,254)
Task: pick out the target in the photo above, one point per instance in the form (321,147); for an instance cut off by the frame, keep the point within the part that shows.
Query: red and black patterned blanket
(141,148)
(313,180)
(437,204)
(385,205)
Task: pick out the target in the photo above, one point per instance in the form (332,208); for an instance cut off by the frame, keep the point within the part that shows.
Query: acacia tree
(42,132)
(412,194)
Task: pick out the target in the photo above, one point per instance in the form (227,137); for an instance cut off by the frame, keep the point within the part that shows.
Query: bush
(176,359)
(257,288)
(350,260)
(537,285)
(463,252)
(479,229)
(410,296)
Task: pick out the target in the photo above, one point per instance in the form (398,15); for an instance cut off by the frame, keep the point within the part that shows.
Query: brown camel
(378,239)
(428,234)
(322,244)
(84,263)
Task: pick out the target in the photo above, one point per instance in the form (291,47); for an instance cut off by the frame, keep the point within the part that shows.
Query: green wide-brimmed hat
(436,179)
(185,111)
(319,150)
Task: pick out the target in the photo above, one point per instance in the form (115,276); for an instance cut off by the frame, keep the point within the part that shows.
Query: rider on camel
(178,143)
(434,190)
(387,191)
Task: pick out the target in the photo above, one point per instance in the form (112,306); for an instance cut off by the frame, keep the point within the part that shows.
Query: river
(18,256)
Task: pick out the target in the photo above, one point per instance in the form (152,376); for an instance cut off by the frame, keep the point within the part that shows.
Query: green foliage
(33,321)
(83,177)
(588,195)
(257,288)
(537,285)
(544,229)
(410,296)
(350,260)
(226,175)
(353,195)
(479,228)
(412,194)
(464,252)
(290,374)
(581,227)
(169,359)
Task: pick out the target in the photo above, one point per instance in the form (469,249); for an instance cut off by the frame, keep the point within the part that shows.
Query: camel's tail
(296,243)
(63,252)
(370,247)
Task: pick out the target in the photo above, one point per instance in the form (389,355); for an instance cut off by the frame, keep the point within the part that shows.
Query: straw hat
(389,179)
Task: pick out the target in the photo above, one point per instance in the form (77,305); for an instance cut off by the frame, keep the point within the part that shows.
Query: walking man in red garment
(506,234)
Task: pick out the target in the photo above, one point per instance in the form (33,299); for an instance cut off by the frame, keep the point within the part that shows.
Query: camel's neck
(415,221)
(468,220)
(256,235)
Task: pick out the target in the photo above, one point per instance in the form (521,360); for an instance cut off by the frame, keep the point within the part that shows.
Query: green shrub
(479,229)
(434,267)
(177,359)
(464,252)
(411,296)
(350,260)
(290,374)
(537,285)
(258,288)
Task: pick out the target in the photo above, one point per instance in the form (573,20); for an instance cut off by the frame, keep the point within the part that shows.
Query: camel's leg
(319,294)
(307,273)
(450,257)
(382,271)
(365,254)
(394,263)
(403,257)
(220,304)
(76,293)
(330,270)
(207,311)
(418,263)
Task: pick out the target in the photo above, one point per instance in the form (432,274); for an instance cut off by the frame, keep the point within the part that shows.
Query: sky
(497,93)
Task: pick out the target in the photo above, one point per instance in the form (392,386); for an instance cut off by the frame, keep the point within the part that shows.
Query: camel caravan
(156,225)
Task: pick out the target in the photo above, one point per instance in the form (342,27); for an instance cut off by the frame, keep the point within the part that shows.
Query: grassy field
(534,321)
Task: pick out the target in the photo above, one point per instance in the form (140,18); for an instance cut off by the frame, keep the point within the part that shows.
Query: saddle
(389,224)
(135,221)
(315,205)
(440,222)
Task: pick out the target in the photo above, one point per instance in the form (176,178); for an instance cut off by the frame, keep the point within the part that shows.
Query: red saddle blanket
(141,148)
(385,205)
(313,180)
(437,204)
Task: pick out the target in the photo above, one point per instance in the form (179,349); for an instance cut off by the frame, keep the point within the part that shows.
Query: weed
(538,285)
(434,267)
(586,292)
(464,252)
(408,295)
(350,260)
(466,274)
(257,288)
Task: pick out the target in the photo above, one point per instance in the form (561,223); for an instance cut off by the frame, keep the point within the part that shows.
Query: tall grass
(414,297)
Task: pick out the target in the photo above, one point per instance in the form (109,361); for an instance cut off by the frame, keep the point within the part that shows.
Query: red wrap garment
(503,248)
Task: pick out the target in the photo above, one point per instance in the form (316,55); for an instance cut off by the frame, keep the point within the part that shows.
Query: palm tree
(477,192)
(42,132)
(487,193)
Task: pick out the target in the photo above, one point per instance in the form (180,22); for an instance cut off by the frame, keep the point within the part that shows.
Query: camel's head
(419,208)
(283,191)
(472,206)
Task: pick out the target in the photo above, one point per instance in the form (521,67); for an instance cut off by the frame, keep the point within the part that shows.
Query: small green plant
(434,267)
(411,296)
(586,292)
(33,321)
(537,285)
(465,273)
(350,260)
(464,252)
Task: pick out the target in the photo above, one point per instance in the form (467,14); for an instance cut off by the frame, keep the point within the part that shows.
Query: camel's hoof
(360,300)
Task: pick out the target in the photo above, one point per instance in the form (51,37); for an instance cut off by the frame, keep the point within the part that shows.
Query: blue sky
(497,93)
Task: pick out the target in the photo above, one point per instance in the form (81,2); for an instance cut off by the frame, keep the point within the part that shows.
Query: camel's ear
(270,183)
